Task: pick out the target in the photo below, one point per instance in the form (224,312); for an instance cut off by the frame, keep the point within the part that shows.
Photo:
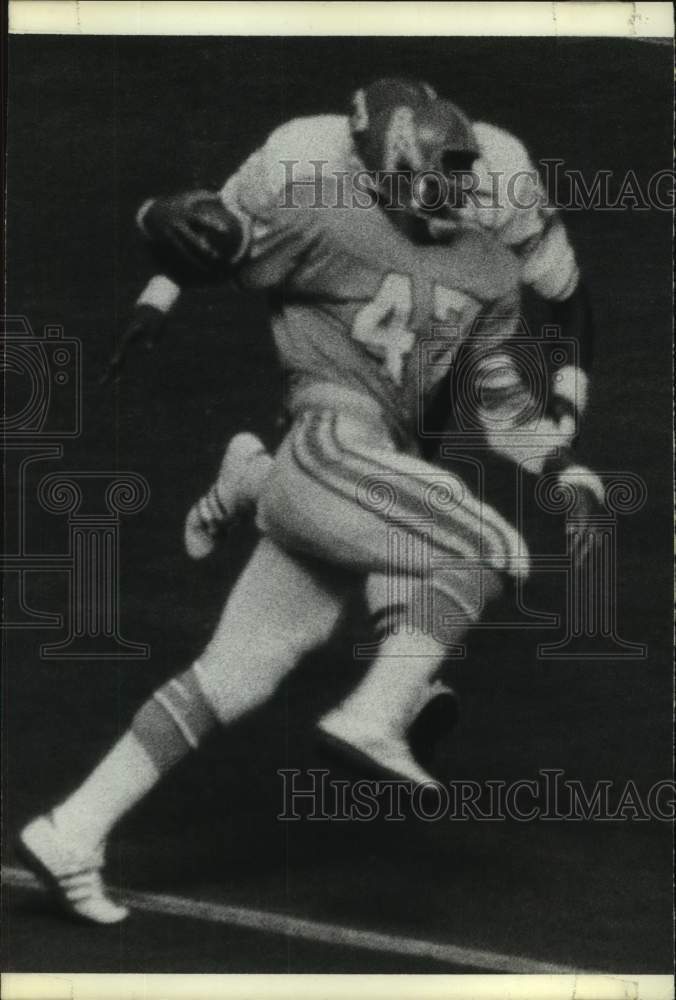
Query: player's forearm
(570,388)
(569,384)
(550,436)
(516,425)
(195,240)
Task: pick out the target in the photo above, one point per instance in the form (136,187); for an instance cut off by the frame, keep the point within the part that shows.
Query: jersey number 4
(383,324)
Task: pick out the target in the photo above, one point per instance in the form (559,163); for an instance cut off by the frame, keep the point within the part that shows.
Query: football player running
(382,250)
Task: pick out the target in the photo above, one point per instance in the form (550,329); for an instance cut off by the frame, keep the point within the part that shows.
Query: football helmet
(416,148)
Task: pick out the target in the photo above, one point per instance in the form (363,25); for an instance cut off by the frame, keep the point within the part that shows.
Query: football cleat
(74,879)
(381,753)
(226,499)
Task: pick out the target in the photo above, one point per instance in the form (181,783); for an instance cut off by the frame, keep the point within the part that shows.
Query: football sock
(214,508)
(174,720)
(170,724)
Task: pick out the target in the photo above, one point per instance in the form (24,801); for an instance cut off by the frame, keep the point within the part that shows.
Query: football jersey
(354,301)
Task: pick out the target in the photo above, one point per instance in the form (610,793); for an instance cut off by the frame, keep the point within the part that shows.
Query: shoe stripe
(216,508)
(218,501)
(203,513)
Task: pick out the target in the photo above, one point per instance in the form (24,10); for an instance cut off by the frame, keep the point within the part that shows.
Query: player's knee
(464,595)
(238,683)
(431,605)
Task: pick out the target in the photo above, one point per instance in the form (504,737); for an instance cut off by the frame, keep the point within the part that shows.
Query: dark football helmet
(416,147)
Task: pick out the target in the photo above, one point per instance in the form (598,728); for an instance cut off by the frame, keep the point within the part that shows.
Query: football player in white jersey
(501,196)
(360,282)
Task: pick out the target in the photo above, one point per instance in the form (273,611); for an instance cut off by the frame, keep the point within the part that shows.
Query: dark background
(96,126)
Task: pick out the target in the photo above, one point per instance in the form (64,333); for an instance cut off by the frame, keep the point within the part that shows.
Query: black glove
(193,237)
(146,326)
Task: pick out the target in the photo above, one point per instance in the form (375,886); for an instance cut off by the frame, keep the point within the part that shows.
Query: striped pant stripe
(350,469)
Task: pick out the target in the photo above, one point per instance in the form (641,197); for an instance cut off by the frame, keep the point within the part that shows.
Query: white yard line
(315,930)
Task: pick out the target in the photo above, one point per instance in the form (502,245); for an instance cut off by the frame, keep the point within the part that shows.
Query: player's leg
(344,493)
(373,721)
(235,490)
(289,607)
(340,491)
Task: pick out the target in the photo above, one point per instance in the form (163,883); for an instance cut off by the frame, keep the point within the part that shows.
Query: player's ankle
(256,475)
(75,827)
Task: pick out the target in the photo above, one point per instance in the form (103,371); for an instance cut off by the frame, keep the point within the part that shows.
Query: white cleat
(73,878)
(381,752)
(225,500)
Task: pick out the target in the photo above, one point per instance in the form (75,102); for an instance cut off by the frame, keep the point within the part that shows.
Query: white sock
(125,775)
(256,476)
(167,727)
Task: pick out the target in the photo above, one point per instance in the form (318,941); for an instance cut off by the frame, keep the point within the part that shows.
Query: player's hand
(193,236)
(145,327)
(588,494)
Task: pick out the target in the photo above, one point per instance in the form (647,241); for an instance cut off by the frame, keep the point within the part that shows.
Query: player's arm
(519,424)
(550,268)
(505,390)
(202,237)
(569,388)
(195,240)
(512,201)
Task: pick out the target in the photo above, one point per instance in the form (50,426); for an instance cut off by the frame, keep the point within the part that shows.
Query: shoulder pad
(285,157)
(317,137)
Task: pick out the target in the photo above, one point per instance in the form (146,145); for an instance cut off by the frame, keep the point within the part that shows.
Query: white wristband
(161,293)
